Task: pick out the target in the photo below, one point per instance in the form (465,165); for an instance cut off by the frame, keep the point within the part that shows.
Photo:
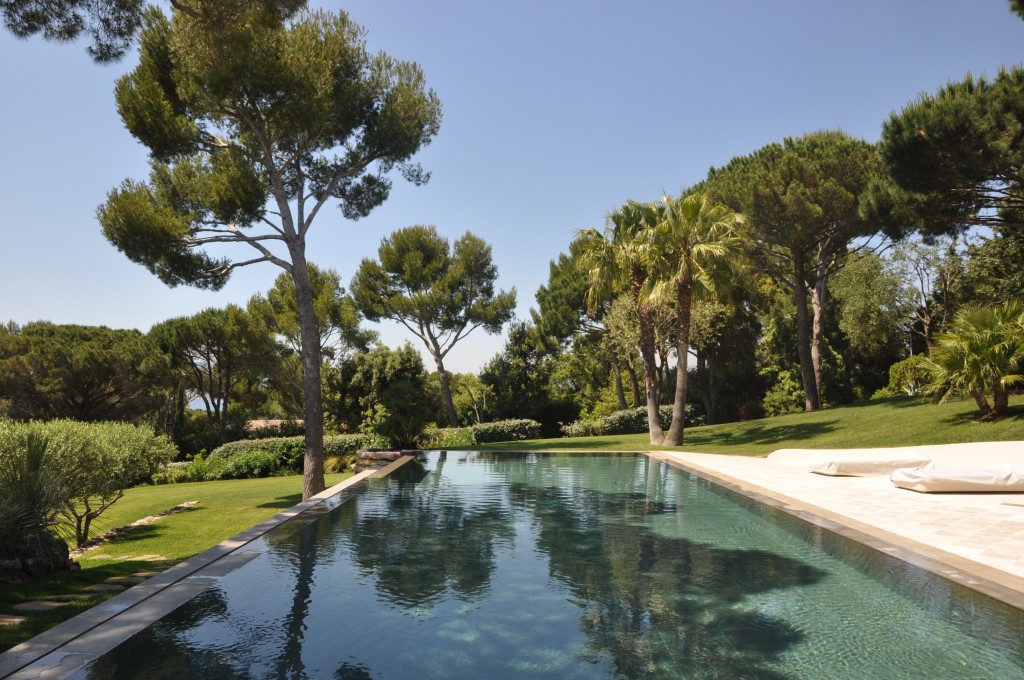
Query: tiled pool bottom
(570,567)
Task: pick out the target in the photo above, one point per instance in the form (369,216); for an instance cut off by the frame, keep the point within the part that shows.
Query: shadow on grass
(559,445)
(764,434)
(282,501)
(973,417)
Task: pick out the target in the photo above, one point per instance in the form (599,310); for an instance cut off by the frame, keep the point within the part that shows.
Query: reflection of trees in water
(425,540)
(655,606)
(160,652)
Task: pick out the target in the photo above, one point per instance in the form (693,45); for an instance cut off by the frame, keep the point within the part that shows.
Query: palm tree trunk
(684,305)
(650,373)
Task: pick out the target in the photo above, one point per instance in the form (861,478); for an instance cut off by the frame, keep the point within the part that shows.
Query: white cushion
(878,466)
(1008,477)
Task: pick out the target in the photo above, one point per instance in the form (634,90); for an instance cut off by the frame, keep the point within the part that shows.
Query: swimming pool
(543,566)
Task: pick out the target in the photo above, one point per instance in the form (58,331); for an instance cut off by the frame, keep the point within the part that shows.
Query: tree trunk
(634,382)
(684,303)
(819,303)
(1000,400)
(650,369)
(313,462)
(981,401)
(446,393)
(812,401)
(619,392)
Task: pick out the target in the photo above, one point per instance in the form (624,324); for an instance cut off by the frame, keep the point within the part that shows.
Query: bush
(506,431)
(909,376)
(447,437)
(584,428)
(93,463)
(251,458)
(628,421)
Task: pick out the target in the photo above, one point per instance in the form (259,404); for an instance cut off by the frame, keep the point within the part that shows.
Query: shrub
(447,437)
(93,462)
(909,376)
(584,428)
(506,431)
(32,500)
(250,458)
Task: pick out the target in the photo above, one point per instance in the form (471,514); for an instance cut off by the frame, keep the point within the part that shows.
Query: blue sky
(555,112)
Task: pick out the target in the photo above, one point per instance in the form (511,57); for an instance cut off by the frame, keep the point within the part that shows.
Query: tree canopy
(801,202)
(256,116)
(87,373)
(440,292)
(954,159)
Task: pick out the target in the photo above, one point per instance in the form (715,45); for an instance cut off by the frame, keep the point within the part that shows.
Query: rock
(12,571)
(37,566)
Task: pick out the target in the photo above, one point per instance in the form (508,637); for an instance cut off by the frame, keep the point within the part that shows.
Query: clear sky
(555,112)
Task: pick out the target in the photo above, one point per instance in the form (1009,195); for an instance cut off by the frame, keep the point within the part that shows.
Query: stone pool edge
(987,580)
(70,645)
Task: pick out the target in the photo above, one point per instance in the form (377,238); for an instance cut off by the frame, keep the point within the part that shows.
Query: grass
(225,509)
(889,422)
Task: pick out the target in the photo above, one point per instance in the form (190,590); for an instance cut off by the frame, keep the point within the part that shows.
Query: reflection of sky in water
(569,567)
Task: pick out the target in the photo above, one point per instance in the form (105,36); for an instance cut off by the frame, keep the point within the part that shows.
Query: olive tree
(256,116)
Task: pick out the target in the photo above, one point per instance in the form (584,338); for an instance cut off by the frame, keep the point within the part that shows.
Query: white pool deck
(976,540)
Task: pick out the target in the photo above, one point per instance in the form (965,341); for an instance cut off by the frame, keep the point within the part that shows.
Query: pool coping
(68,646)
(988,580)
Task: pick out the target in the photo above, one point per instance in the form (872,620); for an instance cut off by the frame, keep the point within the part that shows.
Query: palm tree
(982,352)
(698,243)
(621,257)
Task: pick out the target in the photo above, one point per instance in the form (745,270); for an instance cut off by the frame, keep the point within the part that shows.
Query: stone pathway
(114,584)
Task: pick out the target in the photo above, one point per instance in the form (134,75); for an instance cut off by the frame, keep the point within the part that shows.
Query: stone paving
(984,531)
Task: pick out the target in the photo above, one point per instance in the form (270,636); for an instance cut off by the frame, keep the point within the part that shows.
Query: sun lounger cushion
(1008,477)
(866,466)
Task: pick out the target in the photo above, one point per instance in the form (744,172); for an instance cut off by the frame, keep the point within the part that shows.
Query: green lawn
(892,422)
(225,509)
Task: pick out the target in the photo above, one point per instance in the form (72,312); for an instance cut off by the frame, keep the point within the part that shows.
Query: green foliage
(253,458)
(257,116)
(383,392)
(441,292)
(83,372)
(94,462)
(909,376)
(983,352)
(447,438)
(220,355)
(519,376)
(33,497)
(872,309)
(628,421)
(785,394)
(337,318)
(993,272)
(801,201)
(585,428)
(506,431)
(954,159)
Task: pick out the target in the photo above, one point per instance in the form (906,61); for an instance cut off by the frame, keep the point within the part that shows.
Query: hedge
(249,458)
(628,421)
(506,431)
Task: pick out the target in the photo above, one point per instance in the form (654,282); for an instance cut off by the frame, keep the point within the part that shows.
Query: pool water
(536,566)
